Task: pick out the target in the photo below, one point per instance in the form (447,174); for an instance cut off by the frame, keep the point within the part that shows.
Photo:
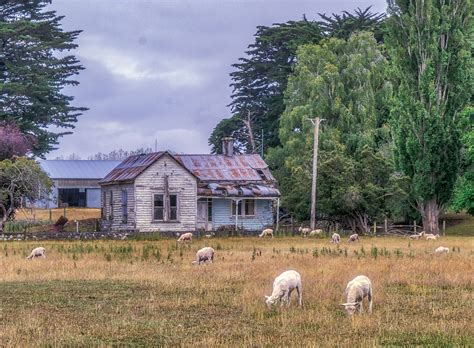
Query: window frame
(242,203)
(124,206)
(164,207)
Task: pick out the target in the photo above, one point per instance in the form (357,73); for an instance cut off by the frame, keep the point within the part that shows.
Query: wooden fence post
(385,226)
(375,228)
(414,226)
(291,224)
(444,227)
(50,216)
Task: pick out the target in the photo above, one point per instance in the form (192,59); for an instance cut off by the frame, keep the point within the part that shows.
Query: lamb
(37,252)
(186,237)
(353,237)
(304,231)
(336,238)
(431,236)
(357,289)
(315,232)
(266,232)
(203,255)
(442,250)
(283,286)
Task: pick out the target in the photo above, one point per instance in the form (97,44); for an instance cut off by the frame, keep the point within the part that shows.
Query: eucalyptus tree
(344,83)
(430,48)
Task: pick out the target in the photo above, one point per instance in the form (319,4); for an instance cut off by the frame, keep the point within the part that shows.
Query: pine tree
(34,70)
(429,44)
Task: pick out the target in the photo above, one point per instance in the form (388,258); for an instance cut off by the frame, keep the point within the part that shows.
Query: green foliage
(261,78)
(20,179)
(463,197)
(429,44)
(344,83)
(34,71)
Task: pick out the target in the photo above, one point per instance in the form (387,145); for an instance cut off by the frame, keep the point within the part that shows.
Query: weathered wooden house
(168,192)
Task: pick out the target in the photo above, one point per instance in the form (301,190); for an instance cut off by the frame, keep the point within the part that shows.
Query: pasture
(147,293)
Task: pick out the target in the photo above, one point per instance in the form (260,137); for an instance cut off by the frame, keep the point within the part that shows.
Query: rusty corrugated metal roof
(237,190)
(219,175)
(131,167)
(227,168)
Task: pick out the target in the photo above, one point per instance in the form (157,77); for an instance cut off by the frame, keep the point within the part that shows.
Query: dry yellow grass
(35,214)
(147,293)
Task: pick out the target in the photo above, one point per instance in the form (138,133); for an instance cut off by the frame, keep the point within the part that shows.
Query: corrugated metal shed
(77,169)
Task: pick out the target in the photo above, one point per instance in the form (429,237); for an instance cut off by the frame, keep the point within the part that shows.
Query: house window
(173,207)
(104,205)
(160,212)
(111,205)
(248,207)
(124,207)
(158,207)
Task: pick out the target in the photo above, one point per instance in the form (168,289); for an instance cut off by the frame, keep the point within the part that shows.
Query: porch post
(278,215)
(236,212)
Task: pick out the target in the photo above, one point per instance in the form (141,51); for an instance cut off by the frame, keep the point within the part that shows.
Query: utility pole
(315,123)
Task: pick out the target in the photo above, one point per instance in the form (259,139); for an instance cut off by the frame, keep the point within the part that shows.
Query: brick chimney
(228,146)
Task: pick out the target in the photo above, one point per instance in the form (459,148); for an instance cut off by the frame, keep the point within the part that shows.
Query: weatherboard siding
(180,182)
(115,223)
(222,216)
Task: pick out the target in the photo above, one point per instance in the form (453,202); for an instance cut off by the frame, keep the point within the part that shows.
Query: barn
(76,182)
(163,191)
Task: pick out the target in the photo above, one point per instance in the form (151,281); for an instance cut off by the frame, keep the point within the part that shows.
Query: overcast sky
(160,69)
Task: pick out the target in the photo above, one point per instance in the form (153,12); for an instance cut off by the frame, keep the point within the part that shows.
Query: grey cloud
(160,69)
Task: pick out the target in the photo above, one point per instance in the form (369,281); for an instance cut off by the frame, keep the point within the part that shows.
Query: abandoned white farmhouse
(168,192)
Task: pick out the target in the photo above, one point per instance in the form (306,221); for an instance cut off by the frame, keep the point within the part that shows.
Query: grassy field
(35,214)
(147,293)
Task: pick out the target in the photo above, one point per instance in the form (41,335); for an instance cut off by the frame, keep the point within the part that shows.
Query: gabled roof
(207,168)
(131,167)
(77,169)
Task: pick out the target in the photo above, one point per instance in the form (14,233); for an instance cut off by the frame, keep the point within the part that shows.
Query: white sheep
(266,232)
(304,231)
(442,250)
(203,255)
(353,237)
(37,252)
(335,238)
(186,237)
(210,235)
(315,232)
(357,289)
(283,286)
(431,236)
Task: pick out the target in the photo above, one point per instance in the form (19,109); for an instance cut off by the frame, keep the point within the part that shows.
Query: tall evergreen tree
(429,43)
(34,71)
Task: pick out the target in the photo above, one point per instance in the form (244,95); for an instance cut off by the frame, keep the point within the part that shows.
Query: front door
(202,221)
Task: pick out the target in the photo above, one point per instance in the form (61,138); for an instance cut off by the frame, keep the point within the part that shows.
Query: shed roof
(77,169)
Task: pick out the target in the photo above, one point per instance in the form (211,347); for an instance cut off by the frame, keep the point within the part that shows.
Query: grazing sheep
(210,235)
(283,286)
(266,232)
(186,237)
(357,289)
(315,232)
(336,238)
(442,250)
(304,231)
(203,255)
(431,236)
(353,237)
(37,252)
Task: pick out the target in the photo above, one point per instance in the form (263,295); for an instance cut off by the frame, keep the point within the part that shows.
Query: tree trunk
(248,124)
(430,213)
